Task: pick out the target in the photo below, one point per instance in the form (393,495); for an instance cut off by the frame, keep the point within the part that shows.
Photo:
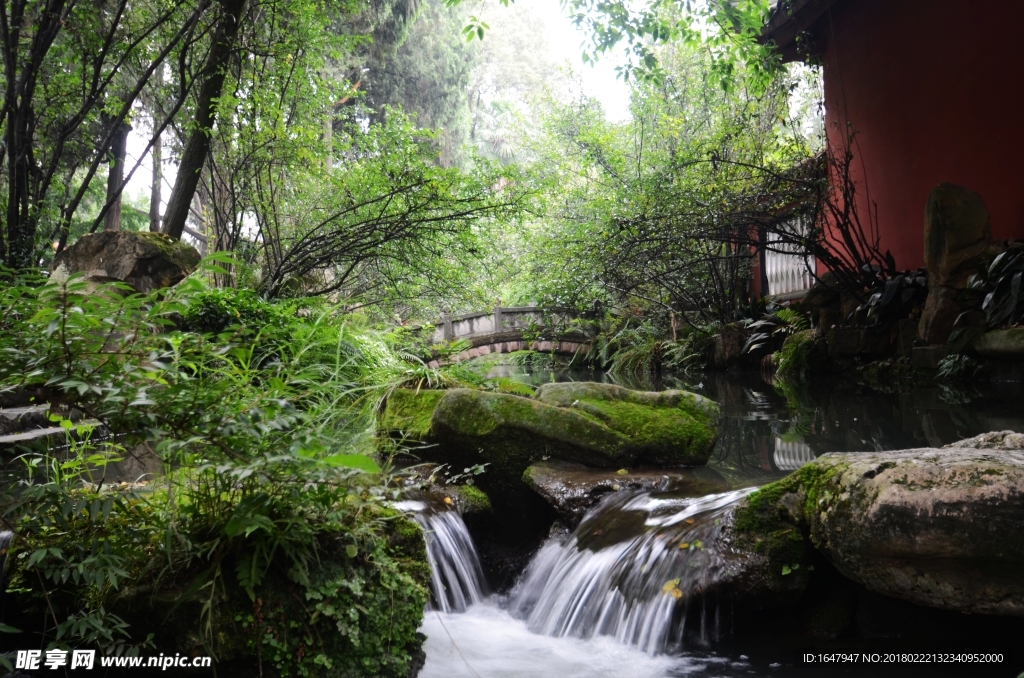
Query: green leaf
(351,551)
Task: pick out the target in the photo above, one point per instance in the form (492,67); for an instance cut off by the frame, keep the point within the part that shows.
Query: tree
(663,212)
(67,95)
(428,77)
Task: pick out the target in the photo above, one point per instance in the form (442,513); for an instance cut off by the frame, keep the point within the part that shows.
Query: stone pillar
(497,319)
(446,319)
(957,232)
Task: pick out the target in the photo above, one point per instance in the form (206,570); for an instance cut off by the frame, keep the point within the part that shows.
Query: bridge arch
(502,330)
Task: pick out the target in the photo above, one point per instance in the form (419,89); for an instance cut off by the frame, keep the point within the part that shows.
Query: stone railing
(501,331)
(788,269)
(499,321)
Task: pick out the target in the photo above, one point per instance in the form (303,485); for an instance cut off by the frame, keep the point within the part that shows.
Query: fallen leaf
(623,472)
(669,585)
(676,593)
(448,500)
(685,545)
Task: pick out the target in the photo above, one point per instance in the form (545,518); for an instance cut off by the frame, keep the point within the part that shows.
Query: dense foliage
(261,419)
(660,213)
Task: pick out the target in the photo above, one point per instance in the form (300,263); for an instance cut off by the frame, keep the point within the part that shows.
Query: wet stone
(572,489)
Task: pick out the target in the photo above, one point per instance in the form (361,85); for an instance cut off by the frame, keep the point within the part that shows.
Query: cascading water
(587,605)
(630,570)
(456,578)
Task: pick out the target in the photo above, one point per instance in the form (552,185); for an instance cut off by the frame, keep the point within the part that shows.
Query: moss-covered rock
(146,261)
(599,425)
(666,428)
(800,354)
(928,526)
(408,412)
(468,499)
(595,425)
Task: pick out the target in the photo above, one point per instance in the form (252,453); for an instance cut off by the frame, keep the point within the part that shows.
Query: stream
(608,599)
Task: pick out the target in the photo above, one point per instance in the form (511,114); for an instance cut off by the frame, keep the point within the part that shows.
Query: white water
(493,644)
(636,589)
(585,607)
(456,578)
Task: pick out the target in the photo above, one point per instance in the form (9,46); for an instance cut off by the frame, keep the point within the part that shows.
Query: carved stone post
(497,319)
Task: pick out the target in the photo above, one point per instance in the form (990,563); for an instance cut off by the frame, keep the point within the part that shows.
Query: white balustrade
(787,268)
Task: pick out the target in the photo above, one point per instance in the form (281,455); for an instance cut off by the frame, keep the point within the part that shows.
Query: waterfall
(631,570)
(456,578)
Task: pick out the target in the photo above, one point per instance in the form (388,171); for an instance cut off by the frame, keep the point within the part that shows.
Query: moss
(469,498)
(795,357)
(407,413)
(664,435)
(503,425)
(667,428)
(776,519)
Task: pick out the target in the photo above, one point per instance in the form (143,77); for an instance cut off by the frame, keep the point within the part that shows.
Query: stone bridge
(501,330)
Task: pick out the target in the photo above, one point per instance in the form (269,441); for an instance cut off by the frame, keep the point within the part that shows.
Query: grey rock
(146,261)
(994,440)
(957,234)
(931,526)
(1001,344)
(572,489)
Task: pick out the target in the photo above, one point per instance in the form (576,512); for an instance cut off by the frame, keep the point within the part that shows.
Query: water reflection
(768,430)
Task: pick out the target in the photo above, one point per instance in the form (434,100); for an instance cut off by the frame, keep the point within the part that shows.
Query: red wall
(934,89)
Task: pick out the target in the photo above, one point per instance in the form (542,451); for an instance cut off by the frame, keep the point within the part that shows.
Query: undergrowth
(266,542)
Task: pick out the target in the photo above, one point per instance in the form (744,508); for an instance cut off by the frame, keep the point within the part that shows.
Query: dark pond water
(769,430)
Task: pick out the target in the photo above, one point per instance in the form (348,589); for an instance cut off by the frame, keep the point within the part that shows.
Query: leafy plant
(958,367)
(1001,282)
(265,435)
(892,296)
(776,325)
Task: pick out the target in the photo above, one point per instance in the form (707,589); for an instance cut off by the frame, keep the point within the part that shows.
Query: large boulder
(598,426)
(146,261)
(665,428)
(931,526)
(728,346)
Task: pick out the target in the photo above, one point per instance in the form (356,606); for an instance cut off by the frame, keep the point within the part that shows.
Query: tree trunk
(118,149)
(154,194)
(158,157)
(197,147)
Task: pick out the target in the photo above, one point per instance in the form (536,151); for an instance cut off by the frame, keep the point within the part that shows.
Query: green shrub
(270,503)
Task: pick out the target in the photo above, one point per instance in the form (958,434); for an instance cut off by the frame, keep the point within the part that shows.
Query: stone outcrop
(595,425)
(1001,344)
(665,428)
(572,489)
(146,261)
(598,425)
(957,232)
(930,526)
(995,440)
(728,346)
